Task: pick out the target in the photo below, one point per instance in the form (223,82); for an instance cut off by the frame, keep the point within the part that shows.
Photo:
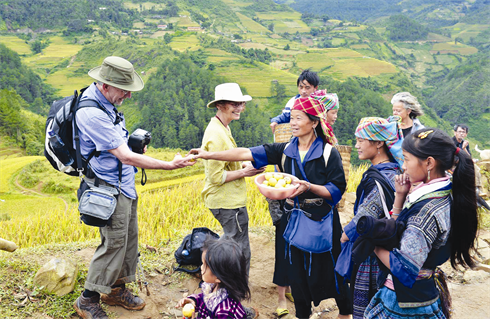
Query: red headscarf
(312,106)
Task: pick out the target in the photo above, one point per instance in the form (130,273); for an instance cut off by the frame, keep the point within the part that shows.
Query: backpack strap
(74,108)
(283,159)
(327,150)
(387,192)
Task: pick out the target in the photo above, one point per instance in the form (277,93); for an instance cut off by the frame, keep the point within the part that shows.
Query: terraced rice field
(187,42)
(251,25)
(65,82)
(16,44)
(285,21)
(362,67)
(467,31)
(58,49)
(11,166)
(257,80)
(450,47)
(144,5)
(315,61)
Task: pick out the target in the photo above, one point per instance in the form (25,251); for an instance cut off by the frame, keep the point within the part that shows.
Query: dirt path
(470,300)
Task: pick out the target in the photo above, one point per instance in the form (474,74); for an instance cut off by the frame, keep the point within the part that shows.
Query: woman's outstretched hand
(197,153)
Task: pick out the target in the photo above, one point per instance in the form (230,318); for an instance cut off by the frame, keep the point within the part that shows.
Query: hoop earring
(314,130)
(378,152)
(428,175)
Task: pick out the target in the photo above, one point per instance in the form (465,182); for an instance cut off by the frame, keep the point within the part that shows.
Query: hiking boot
(89,308)
(251,312)
(121,296)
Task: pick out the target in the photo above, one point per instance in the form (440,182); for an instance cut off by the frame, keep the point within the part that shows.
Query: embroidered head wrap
(387,130)
(329,100)
(312,106)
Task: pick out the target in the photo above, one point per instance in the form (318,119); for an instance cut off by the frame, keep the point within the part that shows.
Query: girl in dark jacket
(441,223)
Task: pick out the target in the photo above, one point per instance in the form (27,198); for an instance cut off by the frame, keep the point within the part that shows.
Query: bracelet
(392,214)
(309,186)
(397,208)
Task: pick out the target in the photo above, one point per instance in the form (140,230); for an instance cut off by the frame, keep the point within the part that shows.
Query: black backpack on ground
(58,146)
(189,251)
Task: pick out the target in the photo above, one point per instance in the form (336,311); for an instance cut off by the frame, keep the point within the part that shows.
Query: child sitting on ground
(225,282)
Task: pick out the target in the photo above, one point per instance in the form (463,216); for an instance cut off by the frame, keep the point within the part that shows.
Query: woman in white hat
(224,190)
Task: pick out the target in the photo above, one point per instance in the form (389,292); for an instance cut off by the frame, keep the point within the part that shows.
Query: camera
(138,140)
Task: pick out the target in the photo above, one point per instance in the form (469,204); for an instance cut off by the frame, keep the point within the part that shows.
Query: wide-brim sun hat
(119,73)
(228,92)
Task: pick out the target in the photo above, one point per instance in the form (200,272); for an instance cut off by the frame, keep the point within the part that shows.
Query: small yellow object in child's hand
(188,310)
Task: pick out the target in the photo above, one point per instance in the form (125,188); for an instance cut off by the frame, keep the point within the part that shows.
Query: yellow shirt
(216,193)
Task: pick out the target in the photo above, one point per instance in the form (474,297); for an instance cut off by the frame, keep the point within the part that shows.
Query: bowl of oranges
(276,186)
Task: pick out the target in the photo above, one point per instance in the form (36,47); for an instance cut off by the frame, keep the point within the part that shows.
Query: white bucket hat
(228,92)
(118,72)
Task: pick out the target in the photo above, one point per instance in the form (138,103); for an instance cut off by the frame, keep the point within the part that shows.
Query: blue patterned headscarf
(387,130)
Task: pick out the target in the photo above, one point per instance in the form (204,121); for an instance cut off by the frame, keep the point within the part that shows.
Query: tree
(287,47)
(271,27)
(167,38)
(278,90)
(36,47)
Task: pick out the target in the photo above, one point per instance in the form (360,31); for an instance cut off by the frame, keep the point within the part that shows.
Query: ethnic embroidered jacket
(424,243)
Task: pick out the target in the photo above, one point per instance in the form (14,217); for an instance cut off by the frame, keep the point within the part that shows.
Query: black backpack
(58,146)
(189,251)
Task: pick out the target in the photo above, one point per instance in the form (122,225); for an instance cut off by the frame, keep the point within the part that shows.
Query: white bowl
(275,193)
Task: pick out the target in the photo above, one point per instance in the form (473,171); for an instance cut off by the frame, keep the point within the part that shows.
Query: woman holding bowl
(318,165)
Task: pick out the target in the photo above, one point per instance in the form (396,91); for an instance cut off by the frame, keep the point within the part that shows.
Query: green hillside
(261,45)
(76,15)
(463,95)
(435,13)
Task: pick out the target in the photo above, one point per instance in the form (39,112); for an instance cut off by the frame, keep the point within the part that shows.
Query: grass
(16,44)
(258,79)
(66,82)
(450,47)
(423,56)
(18,206)
(160,219)
(187,22)
(10,166)
(466,31)
(355,176)
(360,46)
(186,42)
(251,25)
(285,21)
(58,49)
(144,5)
(237,3)
(362,67)
(315,61)
(437,37)
(253,45)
